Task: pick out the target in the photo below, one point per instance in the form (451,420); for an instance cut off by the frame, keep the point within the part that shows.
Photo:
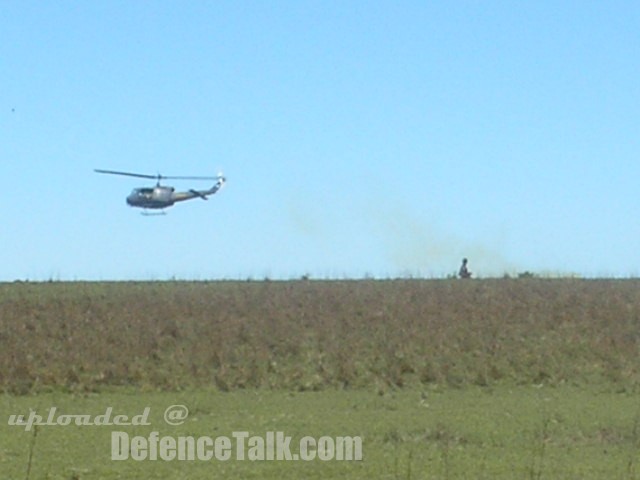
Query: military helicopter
(164,196)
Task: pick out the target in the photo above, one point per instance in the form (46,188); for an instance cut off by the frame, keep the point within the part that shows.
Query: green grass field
(473,432)
(509,378)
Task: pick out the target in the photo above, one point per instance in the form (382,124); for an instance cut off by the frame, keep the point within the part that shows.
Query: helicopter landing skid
(147,213)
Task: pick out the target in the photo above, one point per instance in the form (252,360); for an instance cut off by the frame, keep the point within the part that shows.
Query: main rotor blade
(187,178)
(129,174)
(154,177)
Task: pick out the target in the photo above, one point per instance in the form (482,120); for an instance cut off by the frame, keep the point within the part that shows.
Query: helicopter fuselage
(162,196)
(153,197)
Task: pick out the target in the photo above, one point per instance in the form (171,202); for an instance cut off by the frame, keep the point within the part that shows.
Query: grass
(307,335)
(507,378)
(438,433)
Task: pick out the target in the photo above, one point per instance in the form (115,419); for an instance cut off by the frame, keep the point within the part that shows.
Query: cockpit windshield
(142,191)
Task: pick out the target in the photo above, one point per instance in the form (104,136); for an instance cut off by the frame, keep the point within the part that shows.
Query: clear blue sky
(377,138)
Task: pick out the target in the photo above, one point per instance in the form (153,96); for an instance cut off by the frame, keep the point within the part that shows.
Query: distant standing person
(464,271)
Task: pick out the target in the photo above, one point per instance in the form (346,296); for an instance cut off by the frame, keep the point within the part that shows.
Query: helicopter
(164,196)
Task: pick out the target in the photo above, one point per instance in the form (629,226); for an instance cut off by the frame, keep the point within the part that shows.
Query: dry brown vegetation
(318,334)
